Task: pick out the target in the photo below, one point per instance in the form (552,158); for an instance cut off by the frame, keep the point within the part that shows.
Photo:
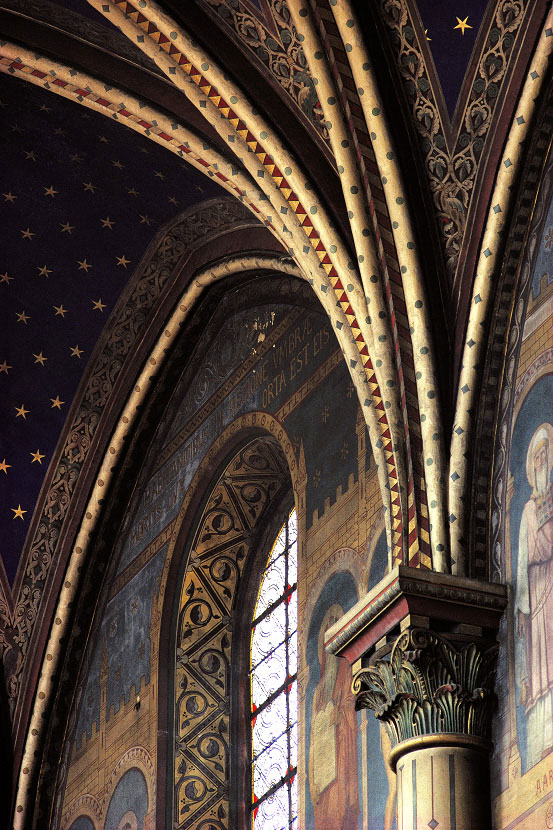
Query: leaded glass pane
(269,676)
(273,669)
(268,634)
(273,811)
(269,724)
(270,766)
(274,583)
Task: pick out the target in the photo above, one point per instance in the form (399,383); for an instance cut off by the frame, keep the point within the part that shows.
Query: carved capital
(429,686)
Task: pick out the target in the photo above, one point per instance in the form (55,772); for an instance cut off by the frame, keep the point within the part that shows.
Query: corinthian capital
(428,686)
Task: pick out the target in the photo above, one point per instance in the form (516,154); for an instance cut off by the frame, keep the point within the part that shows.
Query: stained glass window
(274,693)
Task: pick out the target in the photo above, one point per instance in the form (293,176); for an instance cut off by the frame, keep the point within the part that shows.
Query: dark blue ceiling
(82,199)
(451,40)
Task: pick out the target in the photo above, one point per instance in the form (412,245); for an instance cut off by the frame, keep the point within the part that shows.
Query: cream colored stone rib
(411,269)
(482,296)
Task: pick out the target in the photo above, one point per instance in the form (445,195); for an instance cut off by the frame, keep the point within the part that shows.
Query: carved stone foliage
(428,686)
(139,303)
(452,162)
(204,633)
(279,51)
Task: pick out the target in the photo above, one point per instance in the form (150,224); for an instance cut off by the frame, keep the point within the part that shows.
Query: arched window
(274,695)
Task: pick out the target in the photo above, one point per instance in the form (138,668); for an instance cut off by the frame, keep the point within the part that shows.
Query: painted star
(21,411)
(4,368)
(44,271)
(76,157)
(107,222)
(174,201)
(59,131)
(66,227)
(18,512)
(49,191)
(89,187)
(145,219)
(98,305)
(56,403)
(5,277)
(37,456)
(132,192)
(198,187)
(9,197)
(27,234)
(22,317)
(59,309)
(84,265)
(15,128)
(4,466)
(118,165)
(159,174)
(75,351)
(30,155)
(103,139)
(39,358)
(44,108)
(145,151)
(462,24)
(122,260)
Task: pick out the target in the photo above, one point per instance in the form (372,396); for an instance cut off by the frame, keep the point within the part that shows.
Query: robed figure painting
(534,597)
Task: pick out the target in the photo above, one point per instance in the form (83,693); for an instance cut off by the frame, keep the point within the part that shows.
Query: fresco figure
(332,765)
(534,597)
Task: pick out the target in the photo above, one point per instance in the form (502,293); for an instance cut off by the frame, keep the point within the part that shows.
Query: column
(423,652)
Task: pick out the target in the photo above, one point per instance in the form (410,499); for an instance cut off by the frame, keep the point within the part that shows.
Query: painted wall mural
(522,769)
(277,360)
(346,775)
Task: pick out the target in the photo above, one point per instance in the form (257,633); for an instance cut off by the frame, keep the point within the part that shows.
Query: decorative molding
(451,162)
(279,52)
(428,686)
(411,590)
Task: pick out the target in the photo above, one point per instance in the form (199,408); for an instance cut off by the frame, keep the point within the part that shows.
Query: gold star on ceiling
(6,278)
(22,317)
(89,187)
(4,368)
(49,191)
(37,456)
(159,174)
(76,157)
(44,271)
(75,351)
(59,131)
(118,165)
(462,24)
(84,265)
(122,260)
(145,219)
(9,197)
(98,305)
(4,466)
(174,200)
(103,139)
(44,108)
(21,411)
(107,222)
(18,512)
(39,358)
(30,155)
(59,309)
(66,227)
(27,234)
(56,403)
(132,192)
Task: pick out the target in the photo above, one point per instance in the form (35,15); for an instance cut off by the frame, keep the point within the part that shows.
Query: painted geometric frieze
(204,633)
